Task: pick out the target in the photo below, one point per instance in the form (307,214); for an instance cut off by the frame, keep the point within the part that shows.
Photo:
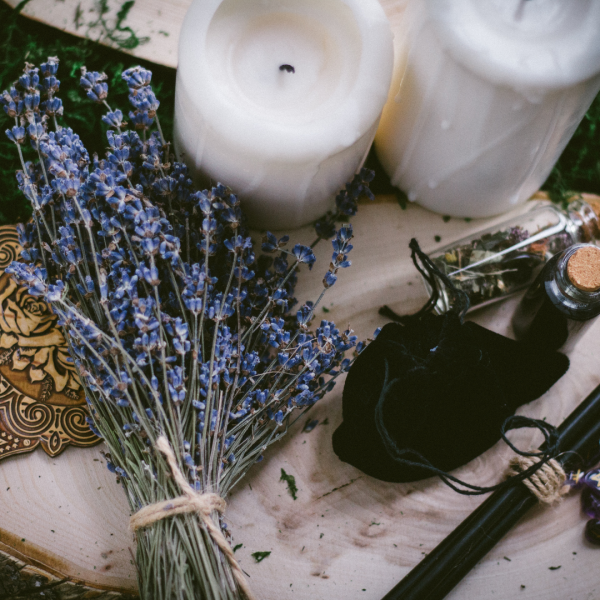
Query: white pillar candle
(486,95)
(280,99)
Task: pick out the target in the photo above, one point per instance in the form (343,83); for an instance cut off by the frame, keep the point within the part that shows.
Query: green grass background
(24,40)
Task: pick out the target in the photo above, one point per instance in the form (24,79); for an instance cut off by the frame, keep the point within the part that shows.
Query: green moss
(578,169)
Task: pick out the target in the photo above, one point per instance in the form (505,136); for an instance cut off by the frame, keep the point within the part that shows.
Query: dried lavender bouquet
(183,338)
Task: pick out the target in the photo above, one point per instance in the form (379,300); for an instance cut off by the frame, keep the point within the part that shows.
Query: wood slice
(158,21)
(347,535)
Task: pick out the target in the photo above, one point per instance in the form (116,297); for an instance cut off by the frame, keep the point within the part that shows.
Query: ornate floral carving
(41,399)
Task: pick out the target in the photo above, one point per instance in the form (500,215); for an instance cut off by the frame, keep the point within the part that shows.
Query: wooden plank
(346,532)
(157,20)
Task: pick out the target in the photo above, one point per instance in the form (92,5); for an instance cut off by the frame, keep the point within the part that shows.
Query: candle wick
(287,68)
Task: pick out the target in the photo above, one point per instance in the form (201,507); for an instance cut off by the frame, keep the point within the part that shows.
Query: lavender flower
(94,84)
(176,326)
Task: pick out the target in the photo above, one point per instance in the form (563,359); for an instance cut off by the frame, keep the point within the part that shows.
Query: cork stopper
(583,269)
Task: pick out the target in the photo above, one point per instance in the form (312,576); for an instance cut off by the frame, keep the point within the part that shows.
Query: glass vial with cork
(563,301)
(497,262)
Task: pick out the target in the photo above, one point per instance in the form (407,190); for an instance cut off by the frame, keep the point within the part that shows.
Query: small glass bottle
(499,261)
(563,300)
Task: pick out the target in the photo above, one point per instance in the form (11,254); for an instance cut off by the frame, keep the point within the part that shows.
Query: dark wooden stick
(452,559)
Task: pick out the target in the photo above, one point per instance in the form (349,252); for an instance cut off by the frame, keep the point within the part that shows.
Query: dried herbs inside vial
(492,264)
(485,267)
(494,273)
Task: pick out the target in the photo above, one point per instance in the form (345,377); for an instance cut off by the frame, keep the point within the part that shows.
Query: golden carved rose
(31,341)
(41,400)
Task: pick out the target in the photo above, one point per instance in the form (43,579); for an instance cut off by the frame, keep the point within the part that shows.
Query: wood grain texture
(347,535)
(159,20)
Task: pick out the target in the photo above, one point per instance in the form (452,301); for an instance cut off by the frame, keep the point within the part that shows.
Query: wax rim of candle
(332,132)
(515,58)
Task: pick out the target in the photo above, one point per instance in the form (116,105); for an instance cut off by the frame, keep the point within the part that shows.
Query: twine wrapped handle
(547,484)
(191,502)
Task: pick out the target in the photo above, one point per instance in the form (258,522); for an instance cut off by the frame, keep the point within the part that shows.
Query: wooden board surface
(68,514)
(157,20)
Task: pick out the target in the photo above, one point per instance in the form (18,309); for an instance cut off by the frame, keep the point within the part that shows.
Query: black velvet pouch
(436,390)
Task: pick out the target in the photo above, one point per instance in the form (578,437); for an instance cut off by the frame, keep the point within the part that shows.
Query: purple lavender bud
(114,119)
(144,100)
(93,83)
(590,503)
(16,135)
(50,67)
(304,255)
(329,279)
(37,131)
(517,234)
(137,77)
(51,84)
(53,107)
(141,120)
(31,102)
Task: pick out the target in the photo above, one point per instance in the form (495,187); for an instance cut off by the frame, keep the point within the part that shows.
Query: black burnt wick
(287,68)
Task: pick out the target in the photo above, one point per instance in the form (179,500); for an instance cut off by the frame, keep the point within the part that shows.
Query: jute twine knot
(547,484)
(191,502)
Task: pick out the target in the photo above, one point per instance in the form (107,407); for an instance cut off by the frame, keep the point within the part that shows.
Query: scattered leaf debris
(437,238)
(291,483)
(508,559)
(237,547)
(260,556)
(554,568)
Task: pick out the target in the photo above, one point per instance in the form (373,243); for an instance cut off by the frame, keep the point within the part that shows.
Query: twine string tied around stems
(191,502)
(547,484)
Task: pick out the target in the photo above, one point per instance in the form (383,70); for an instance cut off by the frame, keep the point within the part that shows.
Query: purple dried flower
(94,84)
(137,77)
(174,321)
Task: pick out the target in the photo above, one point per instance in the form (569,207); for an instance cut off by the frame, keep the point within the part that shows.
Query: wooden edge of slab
(24,576)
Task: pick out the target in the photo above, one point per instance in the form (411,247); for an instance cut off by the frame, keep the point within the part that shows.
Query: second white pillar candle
(486,95)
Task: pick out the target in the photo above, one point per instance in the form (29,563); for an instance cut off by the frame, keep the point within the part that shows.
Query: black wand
(439,572)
